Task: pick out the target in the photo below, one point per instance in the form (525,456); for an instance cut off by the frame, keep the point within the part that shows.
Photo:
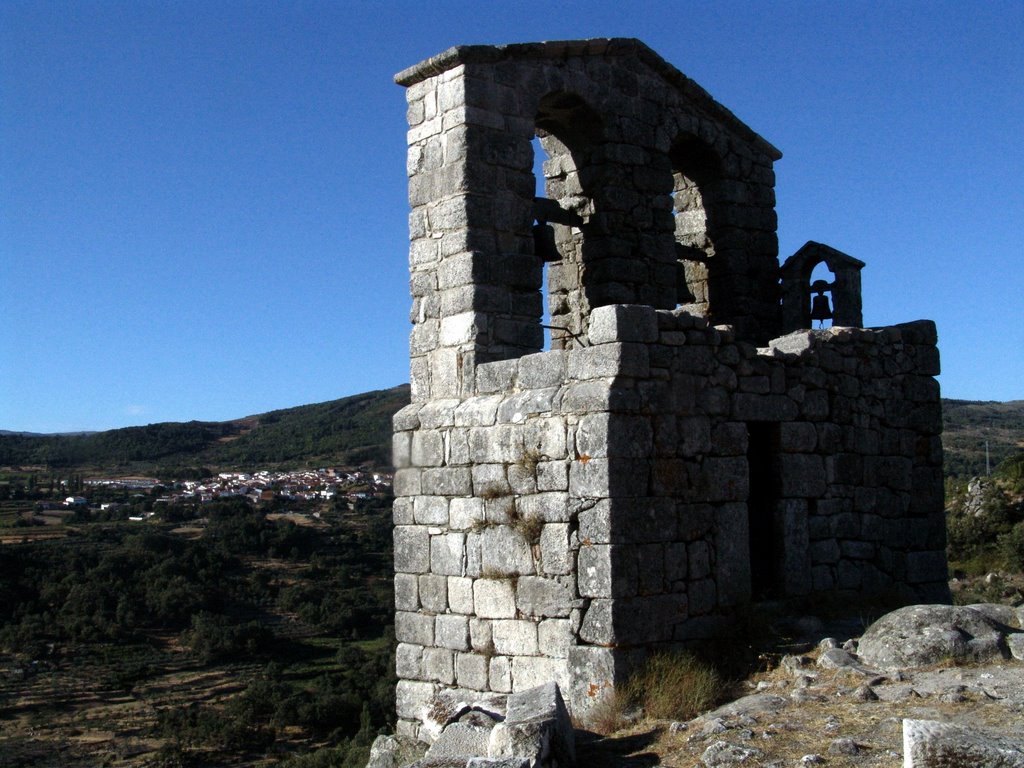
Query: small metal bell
(820,309)
(544,242)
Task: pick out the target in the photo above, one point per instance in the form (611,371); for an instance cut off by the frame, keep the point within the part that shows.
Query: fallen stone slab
(536,726)
(439,762)
(931,744)
(451,705)
(460,739)
(394,751)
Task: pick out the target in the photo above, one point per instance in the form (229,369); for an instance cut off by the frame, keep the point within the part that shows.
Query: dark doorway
(762,510)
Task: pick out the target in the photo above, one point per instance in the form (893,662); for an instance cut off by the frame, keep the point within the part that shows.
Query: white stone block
(494,599)
(460,594)
(514,637)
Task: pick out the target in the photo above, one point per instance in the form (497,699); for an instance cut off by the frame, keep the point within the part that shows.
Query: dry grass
(829,709)
(675,686)
(609,714)
(529,461)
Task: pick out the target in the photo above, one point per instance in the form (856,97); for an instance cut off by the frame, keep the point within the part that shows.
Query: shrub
(609,714)
(1011,547)
(675,686)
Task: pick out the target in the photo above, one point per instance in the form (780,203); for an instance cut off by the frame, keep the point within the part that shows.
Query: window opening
(822,300)
(764,525)
(543,237)
(695,168)
(566,131)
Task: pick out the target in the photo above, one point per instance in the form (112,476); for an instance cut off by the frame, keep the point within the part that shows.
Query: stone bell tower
(560,512)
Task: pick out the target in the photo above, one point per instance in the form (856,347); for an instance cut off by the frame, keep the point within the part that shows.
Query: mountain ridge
(357,430)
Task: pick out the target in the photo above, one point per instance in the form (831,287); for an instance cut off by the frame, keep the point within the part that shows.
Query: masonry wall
(663,198)
(559,514)
(589,502)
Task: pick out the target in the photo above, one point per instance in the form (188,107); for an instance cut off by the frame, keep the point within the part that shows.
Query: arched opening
(566,131)
(695,171)
(822,299)
(544,244)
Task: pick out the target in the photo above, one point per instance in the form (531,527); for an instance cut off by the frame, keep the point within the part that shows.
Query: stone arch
(797,290)
(568,129)
(696,174)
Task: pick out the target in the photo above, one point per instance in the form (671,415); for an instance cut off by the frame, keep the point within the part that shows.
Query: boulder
(1004,614)
(930,744)
(920,635)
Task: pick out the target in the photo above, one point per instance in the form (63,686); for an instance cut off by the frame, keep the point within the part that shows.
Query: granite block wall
(592,501)
(672,457)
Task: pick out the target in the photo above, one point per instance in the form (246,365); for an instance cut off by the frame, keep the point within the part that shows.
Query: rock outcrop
(921,635)
(929,744)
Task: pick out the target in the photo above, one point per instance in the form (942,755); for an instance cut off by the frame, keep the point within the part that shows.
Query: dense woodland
(297,617)
(985,521)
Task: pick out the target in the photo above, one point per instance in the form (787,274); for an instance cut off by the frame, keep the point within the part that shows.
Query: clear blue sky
(203,204)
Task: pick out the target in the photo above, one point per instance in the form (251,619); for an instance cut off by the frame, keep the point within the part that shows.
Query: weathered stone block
(550,507)
(555,556)
(471,670)
(401,511)
(439,665)
(618,359)
(414,628)
(514,637)
(409,661)
(430,510)
(433,591)
(406,592)
(499,675)
(494,598)
(447,481)
(802,475)
(546,369)
(407,482)
(448,554)
(412,698)
(412,549)
(452,631)
(623,322)
(532,671)
(538,596)
(427,448)
(698,554)
(465,513)
(606,570)
(504,552)
(460,594)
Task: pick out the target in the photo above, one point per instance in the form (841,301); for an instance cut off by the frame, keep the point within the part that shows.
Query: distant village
(261,487)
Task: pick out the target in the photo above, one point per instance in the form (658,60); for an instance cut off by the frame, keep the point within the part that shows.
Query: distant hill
(350,431)
(357,429)
(969,424)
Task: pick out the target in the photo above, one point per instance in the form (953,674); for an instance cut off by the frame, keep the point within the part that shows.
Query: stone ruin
(672,457)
